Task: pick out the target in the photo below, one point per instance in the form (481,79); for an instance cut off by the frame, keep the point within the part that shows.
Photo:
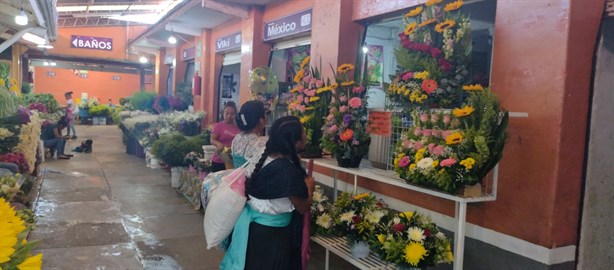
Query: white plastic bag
(210,183)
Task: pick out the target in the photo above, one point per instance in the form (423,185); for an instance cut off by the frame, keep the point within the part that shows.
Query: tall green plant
(184,92)
(142,100)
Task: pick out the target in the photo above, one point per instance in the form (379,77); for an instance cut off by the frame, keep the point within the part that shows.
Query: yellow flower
(345,68)
(420,154)
(467,110)
(401,155)
(414,12)
(396,162)
(414,253)
(2,82)
(310,108)
(468,163)
(323,89)
(381,238)
(422,75)
(454,5)
(407,214)
(407,92)
(454,138)
(427,22)
(305,119)
(435,163)
(448,253)
(299,76)
(350,83)
(410,28)
(432,2)
(294,90)
(440,27)
(361,196)
(312,99)
(305,62)
(412,167)
(32,263)
(334,85)
(473,87)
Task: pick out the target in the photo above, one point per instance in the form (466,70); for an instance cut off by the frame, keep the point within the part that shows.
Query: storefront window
(169,82)
(285,62)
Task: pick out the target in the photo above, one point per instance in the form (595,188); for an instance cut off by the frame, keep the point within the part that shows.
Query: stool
(50,151)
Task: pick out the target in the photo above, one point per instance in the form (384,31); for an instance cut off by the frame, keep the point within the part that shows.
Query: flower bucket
(84,112)
(175,175)
(353,162)
(154,163)
(359,249)
(95,121)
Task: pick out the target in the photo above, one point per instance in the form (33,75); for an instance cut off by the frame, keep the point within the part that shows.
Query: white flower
(396,220)
(347,216)
(415,234)
(425,163)
(324,221)
(317,197)
(320,208)
(374,216)
(440,235)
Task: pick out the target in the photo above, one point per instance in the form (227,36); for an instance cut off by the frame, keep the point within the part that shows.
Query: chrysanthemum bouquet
(346,129)
(356,216)
(321,218)
(311,96)
(433,57)
(411,239)
(446,150)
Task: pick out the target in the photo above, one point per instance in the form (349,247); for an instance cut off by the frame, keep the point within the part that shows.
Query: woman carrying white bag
(268,233)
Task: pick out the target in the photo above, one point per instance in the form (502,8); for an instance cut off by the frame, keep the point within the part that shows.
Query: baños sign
(293,24)
(231,41)
(94,43)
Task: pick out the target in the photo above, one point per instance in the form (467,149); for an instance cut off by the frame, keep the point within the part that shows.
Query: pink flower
(445,134)
(311,93)
(424,117)
(439,150)
(417,145)
(434,118)
(306,100)
(447,162)
(435,52)
(332,110)
(313,81)
(417,131)
(431,146)
(319,83)
(333,129)
(446,119)
(301,108)
(355,102)
(436,133)
(427,132)
(407,76)
(355,142)
(343,98)
(404,161)
(307,79)
(343,109)
(300,88)
(330,117)
(358,89)
(406,143)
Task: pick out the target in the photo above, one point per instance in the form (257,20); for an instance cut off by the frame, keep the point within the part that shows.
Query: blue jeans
(58,144)
(71,127)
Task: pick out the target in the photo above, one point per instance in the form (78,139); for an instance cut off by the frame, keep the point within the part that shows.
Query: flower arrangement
(40,107)
(192,158)
(433,57)
(346,129)
(29,137)
(99,110)
(356,216)
(17,159)
(321,218)
(14,248)
(88,103)
(411,239)
(23,114)
(449,149)
(311,98)
(50,103)
(9,186)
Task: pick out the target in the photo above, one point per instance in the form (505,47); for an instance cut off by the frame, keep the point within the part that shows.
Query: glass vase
(359,249)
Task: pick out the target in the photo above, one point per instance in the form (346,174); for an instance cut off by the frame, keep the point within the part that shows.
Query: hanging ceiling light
(21,18)
(143,59)
(172,39)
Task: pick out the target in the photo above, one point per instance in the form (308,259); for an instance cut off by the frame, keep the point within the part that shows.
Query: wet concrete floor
(107,210)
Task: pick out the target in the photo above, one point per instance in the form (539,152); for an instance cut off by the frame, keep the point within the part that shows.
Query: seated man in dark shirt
(52,138)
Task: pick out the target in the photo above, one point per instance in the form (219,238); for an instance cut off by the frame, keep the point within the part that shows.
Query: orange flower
(460,112)
(345,68)
(429,86)
(473,87)
(346,135)
(432,2)
(414,12)
(440,27)
(410,28)
(454,5)
(427,22)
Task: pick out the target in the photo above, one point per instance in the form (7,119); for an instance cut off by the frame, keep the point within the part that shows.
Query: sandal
(63,157)
(69,155)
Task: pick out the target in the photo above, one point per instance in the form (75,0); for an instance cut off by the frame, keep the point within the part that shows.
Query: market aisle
(107,210)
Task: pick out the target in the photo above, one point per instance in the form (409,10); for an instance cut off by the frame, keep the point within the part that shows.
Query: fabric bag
(225,205)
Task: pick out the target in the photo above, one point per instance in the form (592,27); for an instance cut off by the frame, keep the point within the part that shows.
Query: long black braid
(285,132)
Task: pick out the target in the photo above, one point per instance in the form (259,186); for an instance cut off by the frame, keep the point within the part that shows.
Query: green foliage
(184,92)
(99,110)
(8,104)
(26,88)
(142,100)
(50,102)
(115,114)
(172,148)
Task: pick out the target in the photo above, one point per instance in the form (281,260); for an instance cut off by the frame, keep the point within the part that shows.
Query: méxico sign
(293,24)
(94,43)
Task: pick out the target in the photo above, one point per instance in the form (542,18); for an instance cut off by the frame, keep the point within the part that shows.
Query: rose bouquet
(311,97)
(449,149)
(356,216)
(411,240)
(433,57)
(346,131)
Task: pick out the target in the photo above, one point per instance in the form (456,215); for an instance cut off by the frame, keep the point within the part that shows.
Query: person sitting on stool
(52,138)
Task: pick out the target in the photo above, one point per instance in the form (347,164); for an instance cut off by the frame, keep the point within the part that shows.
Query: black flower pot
(353,162)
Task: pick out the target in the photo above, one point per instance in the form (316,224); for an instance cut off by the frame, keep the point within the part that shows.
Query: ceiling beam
(160,25)
(173,27)
(226,8)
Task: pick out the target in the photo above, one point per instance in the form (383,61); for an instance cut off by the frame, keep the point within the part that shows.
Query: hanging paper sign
(289,25)
(189,53)
(94,43)
(228,42)
(379,123)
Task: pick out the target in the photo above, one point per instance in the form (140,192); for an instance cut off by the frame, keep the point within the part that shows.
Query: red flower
(427,232)
(356,219)
(435,52)
(445,65)
(398,227)
(429,86)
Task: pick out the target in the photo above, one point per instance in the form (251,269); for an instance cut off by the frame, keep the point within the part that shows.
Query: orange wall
(119,34)
(97,84)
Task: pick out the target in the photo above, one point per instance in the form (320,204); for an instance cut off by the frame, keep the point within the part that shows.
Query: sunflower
(454,5)
(440,27)
(410,28)
(312,99)
(299,76)
(432,2)
(345,68)
(467,110)
(427,22)
(454,138)
(350,83)
(323,89)
(305,62)
(473,87)
(414,253)
(346,135)
(414,12)
(468,163)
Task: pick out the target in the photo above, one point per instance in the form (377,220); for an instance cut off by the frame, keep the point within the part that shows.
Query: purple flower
(23,114)
(347,118)
(355,142)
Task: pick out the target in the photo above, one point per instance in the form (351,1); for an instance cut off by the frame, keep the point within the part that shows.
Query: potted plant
(172,149)
(99,114)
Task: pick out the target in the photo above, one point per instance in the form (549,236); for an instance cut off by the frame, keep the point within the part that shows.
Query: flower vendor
(222,135)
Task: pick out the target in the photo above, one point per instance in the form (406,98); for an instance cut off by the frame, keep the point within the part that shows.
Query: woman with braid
(249,144)
(269,231)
